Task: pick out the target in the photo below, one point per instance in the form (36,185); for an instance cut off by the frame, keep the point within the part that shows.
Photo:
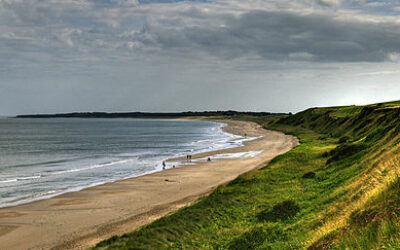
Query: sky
(175,55)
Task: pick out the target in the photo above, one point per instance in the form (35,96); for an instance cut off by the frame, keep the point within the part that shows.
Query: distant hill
(147,115)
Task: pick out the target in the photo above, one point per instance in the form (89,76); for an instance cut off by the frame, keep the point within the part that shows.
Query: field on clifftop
(338,189)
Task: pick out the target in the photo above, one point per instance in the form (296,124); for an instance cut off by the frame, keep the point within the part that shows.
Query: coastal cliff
(338,189)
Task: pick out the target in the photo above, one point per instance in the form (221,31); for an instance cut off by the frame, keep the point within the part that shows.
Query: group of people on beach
(188,159)
(164,165)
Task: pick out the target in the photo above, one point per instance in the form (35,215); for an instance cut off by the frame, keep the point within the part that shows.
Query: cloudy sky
(174,55)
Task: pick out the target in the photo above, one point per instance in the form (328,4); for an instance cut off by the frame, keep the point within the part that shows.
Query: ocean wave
(102,165)
(25,178)
(53,193)
(29,178)
(42,163)
(237,155)
(9,180)
(39,196)
(246,154)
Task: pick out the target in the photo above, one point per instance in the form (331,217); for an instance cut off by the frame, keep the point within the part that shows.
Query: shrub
(344,139)
(281,211)
(376,135)
(255,238)
(364,217)
(323,243)
(249,240)
(325,154)
(309,175)
(396,142)
(345,150)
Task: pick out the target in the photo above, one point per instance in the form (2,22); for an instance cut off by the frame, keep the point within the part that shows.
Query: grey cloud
(194,29)
(332,3)
(279,35)
(327,2)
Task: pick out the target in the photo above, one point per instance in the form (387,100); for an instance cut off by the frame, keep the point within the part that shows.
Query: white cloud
(377,73)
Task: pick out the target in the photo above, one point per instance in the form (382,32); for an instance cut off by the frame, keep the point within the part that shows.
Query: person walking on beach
(187,158)
(163,165)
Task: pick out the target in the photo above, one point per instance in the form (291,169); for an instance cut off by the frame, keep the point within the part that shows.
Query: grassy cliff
(338,189)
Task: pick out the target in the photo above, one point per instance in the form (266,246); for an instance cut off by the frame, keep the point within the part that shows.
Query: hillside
(338,189)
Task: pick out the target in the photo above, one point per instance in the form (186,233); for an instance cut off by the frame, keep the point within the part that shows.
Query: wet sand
(81,219)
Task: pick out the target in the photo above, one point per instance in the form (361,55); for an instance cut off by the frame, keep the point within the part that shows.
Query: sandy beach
(81,219)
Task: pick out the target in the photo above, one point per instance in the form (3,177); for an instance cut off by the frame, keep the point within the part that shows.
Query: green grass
(352,153)
(231,215)
(346,111)
(375,226)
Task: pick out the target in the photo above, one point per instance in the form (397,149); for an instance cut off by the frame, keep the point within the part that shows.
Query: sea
(42,158)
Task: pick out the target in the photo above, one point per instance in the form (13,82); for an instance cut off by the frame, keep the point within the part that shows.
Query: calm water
(40,158)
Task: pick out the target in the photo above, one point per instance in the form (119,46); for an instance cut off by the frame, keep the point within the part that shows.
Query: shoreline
(83,218)
(178,160)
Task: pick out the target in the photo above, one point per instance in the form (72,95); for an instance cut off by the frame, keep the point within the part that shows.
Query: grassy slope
(353,153)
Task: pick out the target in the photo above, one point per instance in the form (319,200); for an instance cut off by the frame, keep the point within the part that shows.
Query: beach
(81,219)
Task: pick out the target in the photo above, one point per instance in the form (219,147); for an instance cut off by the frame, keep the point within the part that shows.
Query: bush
(255,238)
(396,142)
(249,240)
(363,218)
(345,150)
(376,135)
(344,139)
(309,175)
(281,211)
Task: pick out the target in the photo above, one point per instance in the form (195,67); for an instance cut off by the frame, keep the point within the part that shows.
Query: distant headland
(148,115)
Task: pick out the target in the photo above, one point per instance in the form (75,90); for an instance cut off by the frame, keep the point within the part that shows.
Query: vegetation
(338,189)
